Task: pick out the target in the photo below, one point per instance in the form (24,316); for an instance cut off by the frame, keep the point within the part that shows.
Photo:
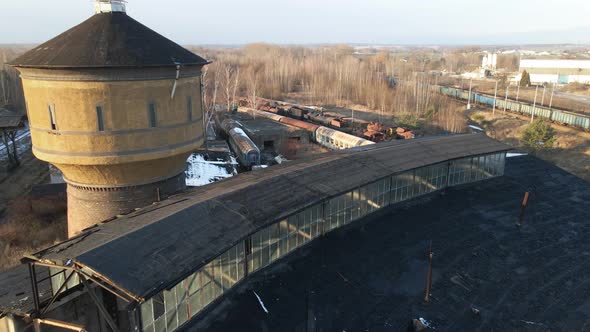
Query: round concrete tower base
(88,206)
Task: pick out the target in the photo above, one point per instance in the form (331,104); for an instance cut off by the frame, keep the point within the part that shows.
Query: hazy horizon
(305,22)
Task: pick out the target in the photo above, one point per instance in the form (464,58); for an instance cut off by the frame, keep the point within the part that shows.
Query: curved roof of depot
(108,40)
(162,244)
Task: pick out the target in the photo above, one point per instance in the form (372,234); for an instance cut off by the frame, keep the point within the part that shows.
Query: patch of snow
(261,303)
(201,172)
(513,154)
(476,127)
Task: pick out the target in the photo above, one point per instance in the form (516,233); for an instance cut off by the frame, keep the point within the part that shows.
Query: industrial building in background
(117,108)
(558,71)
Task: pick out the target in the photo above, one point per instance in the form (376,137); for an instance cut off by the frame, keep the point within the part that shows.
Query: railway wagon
(337,140)
(510,105)
(246,151)
(536,111)
(482,99)
(309,127)
(227,125)
(571,119)
(256,113)
(581,121)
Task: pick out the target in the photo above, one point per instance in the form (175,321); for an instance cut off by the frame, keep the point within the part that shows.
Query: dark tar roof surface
(10,119)
(371,276)
(154,248)
(108,40)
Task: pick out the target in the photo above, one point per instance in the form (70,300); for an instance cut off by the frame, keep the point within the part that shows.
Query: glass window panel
(147,313)
(193,283)
(195,303)
(159,306)
(160,324)
(240,251)
(57,279)
(233,263)
(171,321)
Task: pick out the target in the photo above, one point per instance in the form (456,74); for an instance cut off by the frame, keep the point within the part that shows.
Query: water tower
(117,108)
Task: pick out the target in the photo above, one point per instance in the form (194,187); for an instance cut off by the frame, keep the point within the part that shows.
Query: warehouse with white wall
(560,71)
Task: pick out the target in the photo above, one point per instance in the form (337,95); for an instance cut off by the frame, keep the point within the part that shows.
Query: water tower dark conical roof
(108,40)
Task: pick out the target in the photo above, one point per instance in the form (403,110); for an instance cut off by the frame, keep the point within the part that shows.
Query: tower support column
(88,206)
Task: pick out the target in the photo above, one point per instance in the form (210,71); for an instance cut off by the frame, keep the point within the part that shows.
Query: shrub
(525,80)
(539,135)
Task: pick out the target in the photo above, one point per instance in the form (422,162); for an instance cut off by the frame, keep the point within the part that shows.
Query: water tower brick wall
(117,166)
(88,206)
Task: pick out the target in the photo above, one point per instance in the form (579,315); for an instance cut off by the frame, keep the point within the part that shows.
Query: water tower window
(152,114)
(52,117)
(99,118)
(189,108)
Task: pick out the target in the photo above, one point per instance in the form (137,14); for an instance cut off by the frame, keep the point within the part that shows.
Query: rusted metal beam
(96,281)
(35,289)
(525,202)
(56,323)
(56,295)
(99,305)
(429,276)
(110,283)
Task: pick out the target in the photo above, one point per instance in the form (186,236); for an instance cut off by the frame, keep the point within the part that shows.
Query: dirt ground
(17,182)
(21,231)
(572,149)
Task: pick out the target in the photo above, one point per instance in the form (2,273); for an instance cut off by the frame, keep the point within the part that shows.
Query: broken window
(99,118)
(52,117)
(189,108)
(152,114)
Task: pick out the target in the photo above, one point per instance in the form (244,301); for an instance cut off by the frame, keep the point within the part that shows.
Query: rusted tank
(406,135)
(338,123)
(374,136)
(256,113)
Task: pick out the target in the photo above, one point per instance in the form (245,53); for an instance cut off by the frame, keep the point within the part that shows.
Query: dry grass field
(572,149)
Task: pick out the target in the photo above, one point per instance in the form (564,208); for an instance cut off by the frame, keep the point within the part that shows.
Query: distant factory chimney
(109,6)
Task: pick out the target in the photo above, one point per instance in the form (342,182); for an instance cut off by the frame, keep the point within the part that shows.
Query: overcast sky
(319,21)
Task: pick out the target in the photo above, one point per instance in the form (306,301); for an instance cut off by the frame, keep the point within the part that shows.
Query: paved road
(578,98)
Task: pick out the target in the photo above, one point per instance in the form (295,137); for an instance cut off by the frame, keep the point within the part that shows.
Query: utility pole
(506,99)
(495,96)
(429,275)
(517,91)
(525,202)
(551,100)
(534,105)
(469,98)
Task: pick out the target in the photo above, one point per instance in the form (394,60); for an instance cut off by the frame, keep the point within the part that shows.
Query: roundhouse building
(163,267)
(117,108)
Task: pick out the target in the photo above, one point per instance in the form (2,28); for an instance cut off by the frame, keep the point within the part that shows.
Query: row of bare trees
(393,84)
(11,92)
